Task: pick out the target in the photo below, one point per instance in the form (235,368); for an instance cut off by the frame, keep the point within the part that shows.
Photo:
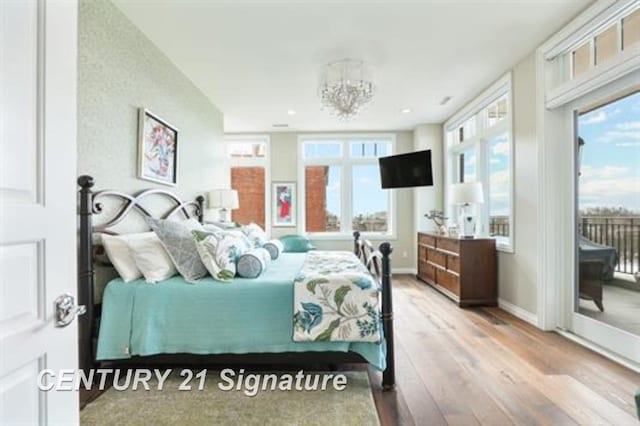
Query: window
(485,156)
(581,59)
(631,30)
(607,42)
(342,190)
(606,45)
(249,161)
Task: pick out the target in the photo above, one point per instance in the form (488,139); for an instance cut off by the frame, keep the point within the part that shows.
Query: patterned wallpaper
(119,71)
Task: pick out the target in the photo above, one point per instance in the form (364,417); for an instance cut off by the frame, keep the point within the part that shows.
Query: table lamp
(465,194)
(224,200)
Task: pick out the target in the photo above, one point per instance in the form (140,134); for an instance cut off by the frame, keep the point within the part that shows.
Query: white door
(37,206)
(602,304)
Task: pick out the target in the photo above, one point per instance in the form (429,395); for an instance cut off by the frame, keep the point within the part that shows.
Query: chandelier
(346,87)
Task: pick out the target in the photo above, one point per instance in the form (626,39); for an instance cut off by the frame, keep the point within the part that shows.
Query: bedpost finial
(200,199)
(356,234)
(386,249)
(85,181)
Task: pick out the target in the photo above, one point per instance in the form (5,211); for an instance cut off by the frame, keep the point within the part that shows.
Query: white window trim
(345,181)
(253,162)
(554,225)
(559,87)
(502,86)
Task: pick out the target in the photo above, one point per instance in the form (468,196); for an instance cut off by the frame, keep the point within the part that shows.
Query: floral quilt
(336,299)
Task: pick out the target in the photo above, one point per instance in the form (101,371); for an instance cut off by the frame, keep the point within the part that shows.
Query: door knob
(66,310)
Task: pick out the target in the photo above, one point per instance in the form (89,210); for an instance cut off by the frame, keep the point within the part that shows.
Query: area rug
(212,406)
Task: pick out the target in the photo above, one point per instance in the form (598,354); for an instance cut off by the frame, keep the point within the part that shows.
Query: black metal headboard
(90,204)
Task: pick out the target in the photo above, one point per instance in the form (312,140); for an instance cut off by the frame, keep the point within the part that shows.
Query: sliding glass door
(605,297)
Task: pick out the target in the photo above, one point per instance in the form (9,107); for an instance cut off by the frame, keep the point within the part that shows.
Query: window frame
(479,144)
(253,162)
(345,161)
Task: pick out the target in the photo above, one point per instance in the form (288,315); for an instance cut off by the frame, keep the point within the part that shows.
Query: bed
(248,321)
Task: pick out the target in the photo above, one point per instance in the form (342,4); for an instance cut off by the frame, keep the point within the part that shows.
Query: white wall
(517,274)
(429,136)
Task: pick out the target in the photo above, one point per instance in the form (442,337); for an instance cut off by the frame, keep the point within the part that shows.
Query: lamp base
(224,215)
(467,227)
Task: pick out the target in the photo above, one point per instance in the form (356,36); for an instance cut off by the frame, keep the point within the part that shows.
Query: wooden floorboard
(485,366)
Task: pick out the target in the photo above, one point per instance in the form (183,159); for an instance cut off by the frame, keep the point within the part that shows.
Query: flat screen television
(406,170)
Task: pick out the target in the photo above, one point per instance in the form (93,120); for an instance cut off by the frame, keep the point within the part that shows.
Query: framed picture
(284,204)
(157,149)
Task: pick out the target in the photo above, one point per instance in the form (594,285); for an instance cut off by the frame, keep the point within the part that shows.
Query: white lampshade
(223,199)
(467,193)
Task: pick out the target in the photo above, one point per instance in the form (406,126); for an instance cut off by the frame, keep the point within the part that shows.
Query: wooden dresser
(463,269)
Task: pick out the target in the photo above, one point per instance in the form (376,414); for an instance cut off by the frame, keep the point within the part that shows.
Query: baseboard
(599,350)
(411,271)
(517,311)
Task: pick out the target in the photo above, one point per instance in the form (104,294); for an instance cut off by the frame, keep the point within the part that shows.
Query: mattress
(211,317)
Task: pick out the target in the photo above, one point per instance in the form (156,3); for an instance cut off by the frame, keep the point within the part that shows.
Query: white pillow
(120,256)
(151,258)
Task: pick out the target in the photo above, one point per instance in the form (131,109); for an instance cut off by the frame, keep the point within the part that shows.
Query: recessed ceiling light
(405,110)
(291,112)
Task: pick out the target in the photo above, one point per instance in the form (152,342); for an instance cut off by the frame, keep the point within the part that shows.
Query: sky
(610,166)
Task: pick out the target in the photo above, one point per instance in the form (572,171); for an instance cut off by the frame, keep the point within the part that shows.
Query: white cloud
(615,135)
(501,148)
(628,144)
(629,125)
(594,118)
(589,172)
(499,178)
(608,188)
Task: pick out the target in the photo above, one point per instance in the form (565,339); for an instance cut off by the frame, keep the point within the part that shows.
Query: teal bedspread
(243,316)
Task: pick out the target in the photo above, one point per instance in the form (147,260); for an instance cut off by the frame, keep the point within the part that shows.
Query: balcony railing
(621,233)
(499,226)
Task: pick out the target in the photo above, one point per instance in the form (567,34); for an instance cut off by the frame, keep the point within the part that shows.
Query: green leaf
(199,235)
(340,294)
(325,336)
(311,285)
(226,275)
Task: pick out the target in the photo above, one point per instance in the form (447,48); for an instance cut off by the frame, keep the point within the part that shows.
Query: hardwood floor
(484,366)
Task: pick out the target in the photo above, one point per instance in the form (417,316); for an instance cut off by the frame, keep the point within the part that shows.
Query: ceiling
(256,60)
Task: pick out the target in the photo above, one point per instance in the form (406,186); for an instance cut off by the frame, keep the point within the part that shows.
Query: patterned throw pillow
(253,263)
(219,251)
(256,234)
(177,240)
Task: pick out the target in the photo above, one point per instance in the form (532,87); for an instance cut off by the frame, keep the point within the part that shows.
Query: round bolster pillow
(274,247)
(253,263)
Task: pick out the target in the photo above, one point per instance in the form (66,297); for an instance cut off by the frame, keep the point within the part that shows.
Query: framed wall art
(284,204)
(157,149)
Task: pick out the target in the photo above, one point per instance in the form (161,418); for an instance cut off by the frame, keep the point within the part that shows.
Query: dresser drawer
(449,281)
(453,263)
(422,253)
(427,239)
(449,245)
(428,272)
(437,258)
